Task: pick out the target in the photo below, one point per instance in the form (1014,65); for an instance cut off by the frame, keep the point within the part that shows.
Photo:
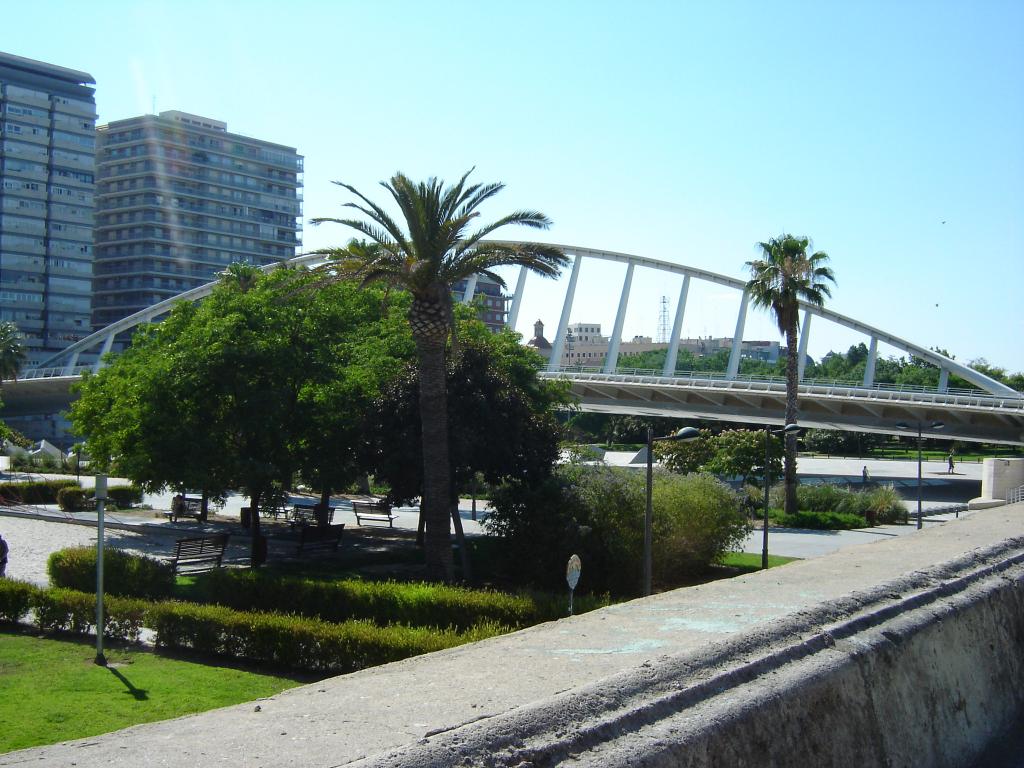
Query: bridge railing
(828,384)
(51,373)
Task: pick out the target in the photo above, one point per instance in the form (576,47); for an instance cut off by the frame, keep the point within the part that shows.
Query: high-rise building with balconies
(47,167)
(178,199)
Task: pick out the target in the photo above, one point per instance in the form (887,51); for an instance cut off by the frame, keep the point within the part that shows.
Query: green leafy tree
(783,276)
(731,453)
(12,351)
(228,393)
(501,415)
(431,250)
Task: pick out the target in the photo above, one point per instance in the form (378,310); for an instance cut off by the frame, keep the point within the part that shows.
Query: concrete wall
(930,679)
(998,476)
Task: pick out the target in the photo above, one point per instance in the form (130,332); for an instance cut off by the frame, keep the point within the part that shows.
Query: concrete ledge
(982,503)
(914,680)
(892,653)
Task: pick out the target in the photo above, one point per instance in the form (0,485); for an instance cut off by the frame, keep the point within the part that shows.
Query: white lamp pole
(101,497)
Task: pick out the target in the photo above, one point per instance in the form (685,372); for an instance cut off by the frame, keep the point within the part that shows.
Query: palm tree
(435,250)
(12,351)
(778,281)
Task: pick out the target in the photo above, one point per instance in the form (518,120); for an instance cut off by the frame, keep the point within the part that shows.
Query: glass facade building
(178,199)
(47,167)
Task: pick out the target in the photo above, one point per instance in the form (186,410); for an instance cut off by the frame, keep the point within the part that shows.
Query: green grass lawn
(750,561)
(52,691)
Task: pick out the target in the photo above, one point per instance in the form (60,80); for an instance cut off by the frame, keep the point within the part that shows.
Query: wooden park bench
(203,553)
(319,537)
(189,507)
(305,514)
(374,511)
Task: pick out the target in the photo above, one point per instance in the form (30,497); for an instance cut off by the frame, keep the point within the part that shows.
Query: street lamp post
(935,425)
(789,429)
(684,434)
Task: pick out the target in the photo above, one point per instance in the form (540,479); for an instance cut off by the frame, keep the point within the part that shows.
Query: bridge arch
(65,362)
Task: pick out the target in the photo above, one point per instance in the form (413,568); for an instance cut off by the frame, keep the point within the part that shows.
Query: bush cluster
(418,604)
(272,638)
(817,521)
(124,573)
(826,506)
(597,512)
(34,491)
(73,499)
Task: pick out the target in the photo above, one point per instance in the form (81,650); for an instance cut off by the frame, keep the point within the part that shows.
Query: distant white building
(585,345)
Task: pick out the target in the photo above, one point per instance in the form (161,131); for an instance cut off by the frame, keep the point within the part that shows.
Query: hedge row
(415,604)
(74,499)
(818,521)
(67,610)
(35,491)
(124,573)
(278,639)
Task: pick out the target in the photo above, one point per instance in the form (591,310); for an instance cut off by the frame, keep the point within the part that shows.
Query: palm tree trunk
(792,382)
(436,463)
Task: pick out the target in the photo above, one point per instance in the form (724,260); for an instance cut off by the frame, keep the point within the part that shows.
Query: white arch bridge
(992,412)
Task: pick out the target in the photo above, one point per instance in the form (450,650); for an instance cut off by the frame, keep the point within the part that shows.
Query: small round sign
(572,571)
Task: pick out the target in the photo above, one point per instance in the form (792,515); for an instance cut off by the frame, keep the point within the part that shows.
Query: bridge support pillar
(737,339)
(805,332)
(869,368)
(517,300)
(612,358)
(943,379)
(563,323)
(69,369)
(107,344)
(677,327)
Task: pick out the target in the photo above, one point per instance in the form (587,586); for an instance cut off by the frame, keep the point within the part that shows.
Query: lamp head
(684,434)
(902,425)
(937,425)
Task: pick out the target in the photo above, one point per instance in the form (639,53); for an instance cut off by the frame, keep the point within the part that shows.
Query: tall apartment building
(47,167)
(490,299)
(178,199)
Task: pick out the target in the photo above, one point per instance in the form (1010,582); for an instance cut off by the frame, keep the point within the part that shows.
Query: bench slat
(194,553)
(376,511)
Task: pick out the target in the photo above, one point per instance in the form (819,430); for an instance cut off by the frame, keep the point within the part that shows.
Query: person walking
(949,459)
(4,549)
(864,475)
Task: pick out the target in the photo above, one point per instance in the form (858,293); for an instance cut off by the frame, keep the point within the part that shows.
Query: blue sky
(890,133)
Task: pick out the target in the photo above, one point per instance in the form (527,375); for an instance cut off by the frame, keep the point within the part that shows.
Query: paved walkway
(149,532)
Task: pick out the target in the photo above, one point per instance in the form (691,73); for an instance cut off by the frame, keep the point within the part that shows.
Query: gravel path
(31,542)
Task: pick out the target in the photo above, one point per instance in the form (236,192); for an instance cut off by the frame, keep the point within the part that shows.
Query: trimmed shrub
(297,642)
(71,499)
(123,496)
(15,599)
(124,574)
(417,604)
(68,610)
(34,492)
(818,521)
(64,610)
